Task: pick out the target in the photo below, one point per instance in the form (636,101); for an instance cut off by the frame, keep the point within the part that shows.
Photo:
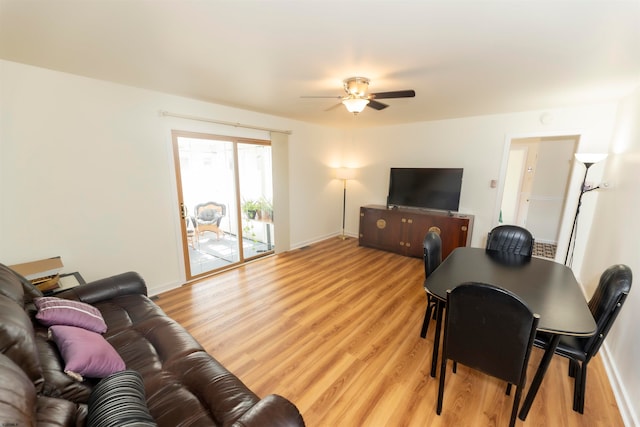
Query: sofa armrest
(272,411)
(107,288)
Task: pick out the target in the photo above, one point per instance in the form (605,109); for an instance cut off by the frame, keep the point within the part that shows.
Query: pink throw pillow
(85,353)
(59,311)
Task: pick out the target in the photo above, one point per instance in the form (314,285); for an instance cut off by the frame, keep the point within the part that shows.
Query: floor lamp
(344,174)
(588,159)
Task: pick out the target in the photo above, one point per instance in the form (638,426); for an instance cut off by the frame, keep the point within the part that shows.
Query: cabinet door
(454,235)
(415,228)
(453,232)
(381,229)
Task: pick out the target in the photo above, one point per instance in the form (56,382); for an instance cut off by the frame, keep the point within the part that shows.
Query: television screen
(430,188)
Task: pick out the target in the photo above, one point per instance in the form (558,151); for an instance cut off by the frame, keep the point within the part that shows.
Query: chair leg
(439,307)
(508,392)
(573,368)
(516,403)
(427,317)
(579,388)
(443,369)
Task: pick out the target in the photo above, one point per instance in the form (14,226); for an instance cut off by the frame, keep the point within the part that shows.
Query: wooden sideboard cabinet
(401,230)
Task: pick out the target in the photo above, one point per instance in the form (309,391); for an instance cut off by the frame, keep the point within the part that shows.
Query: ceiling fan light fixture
(355,105)
(356,86)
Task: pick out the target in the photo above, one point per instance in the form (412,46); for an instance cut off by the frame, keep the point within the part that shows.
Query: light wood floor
(335,328)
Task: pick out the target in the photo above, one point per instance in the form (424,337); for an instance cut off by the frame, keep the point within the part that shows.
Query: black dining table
(548,288)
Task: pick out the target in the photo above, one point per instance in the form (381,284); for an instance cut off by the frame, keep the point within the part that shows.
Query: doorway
(224,187)
(536,185)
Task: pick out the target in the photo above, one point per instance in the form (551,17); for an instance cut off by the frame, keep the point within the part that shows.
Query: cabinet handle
(404,219)
(463,228)
(401,243)
(410,221)
(435,230)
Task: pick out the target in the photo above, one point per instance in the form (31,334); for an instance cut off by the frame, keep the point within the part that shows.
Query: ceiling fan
(357,97)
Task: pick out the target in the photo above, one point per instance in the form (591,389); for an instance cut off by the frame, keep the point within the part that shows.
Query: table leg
(537,379)
(436,337)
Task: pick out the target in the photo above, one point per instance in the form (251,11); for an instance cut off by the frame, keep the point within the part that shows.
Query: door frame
(569,206)
(235,140)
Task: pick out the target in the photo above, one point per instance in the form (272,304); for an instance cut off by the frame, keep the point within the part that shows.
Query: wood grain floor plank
(335,328)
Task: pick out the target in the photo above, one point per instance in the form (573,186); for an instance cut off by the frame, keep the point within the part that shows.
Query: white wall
(87,173)
(88,170)
(477,144)
(615,239)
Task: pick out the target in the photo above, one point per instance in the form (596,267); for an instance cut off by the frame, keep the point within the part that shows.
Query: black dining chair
(432,247)
(605,304)
(491,330)
(512,239)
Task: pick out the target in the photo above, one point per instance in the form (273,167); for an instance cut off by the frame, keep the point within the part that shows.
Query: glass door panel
(256,195)
(207,193)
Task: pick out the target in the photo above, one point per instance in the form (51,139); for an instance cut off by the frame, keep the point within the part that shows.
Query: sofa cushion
(16,286)
(122,312)
(11,285)
(17,339)
(220,391)
(17,395)
(86,353)
(53,412)
(58,311)
(209,215)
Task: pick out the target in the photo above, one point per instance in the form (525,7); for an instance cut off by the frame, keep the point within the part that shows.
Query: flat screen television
(429,188)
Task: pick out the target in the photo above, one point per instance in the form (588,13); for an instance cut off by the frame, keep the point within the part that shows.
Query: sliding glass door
(225,192)
(256,198)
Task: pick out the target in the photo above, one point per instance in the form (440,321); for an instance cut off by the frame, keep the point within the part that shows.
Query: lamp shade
(355,105)
(590,158)
(345,173)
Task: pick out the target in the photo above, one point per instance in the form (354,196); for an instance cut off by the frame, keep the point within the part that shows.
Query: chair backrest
(432,247)
(512,239)
(606,302)
(489,329)
(210,206)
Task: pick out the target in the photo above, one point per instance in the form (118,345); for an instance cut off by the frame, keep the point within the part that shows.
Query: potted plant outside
(265,208)
(250,208)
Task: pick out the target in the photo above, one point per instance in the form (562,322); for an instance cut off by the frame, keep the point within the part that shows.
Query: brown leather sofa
(183,384)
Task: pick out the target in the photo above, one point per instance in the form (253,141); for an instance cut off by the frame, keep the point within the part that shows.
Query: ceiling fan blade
(376,105)
(312,96)
(333,107)
(394,94)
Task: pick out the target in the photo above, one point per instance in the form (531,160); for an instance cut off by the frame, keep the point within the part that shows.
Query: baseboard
(627,411)
(157,290)
(319,239)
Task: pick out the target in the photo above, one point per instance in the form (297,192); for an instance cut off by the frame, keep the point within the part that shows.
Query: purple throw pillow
(59,311)
(85,353)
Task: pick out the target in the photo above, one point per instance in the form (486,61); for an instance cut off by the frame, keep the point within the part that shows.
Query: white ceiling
(462,58)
